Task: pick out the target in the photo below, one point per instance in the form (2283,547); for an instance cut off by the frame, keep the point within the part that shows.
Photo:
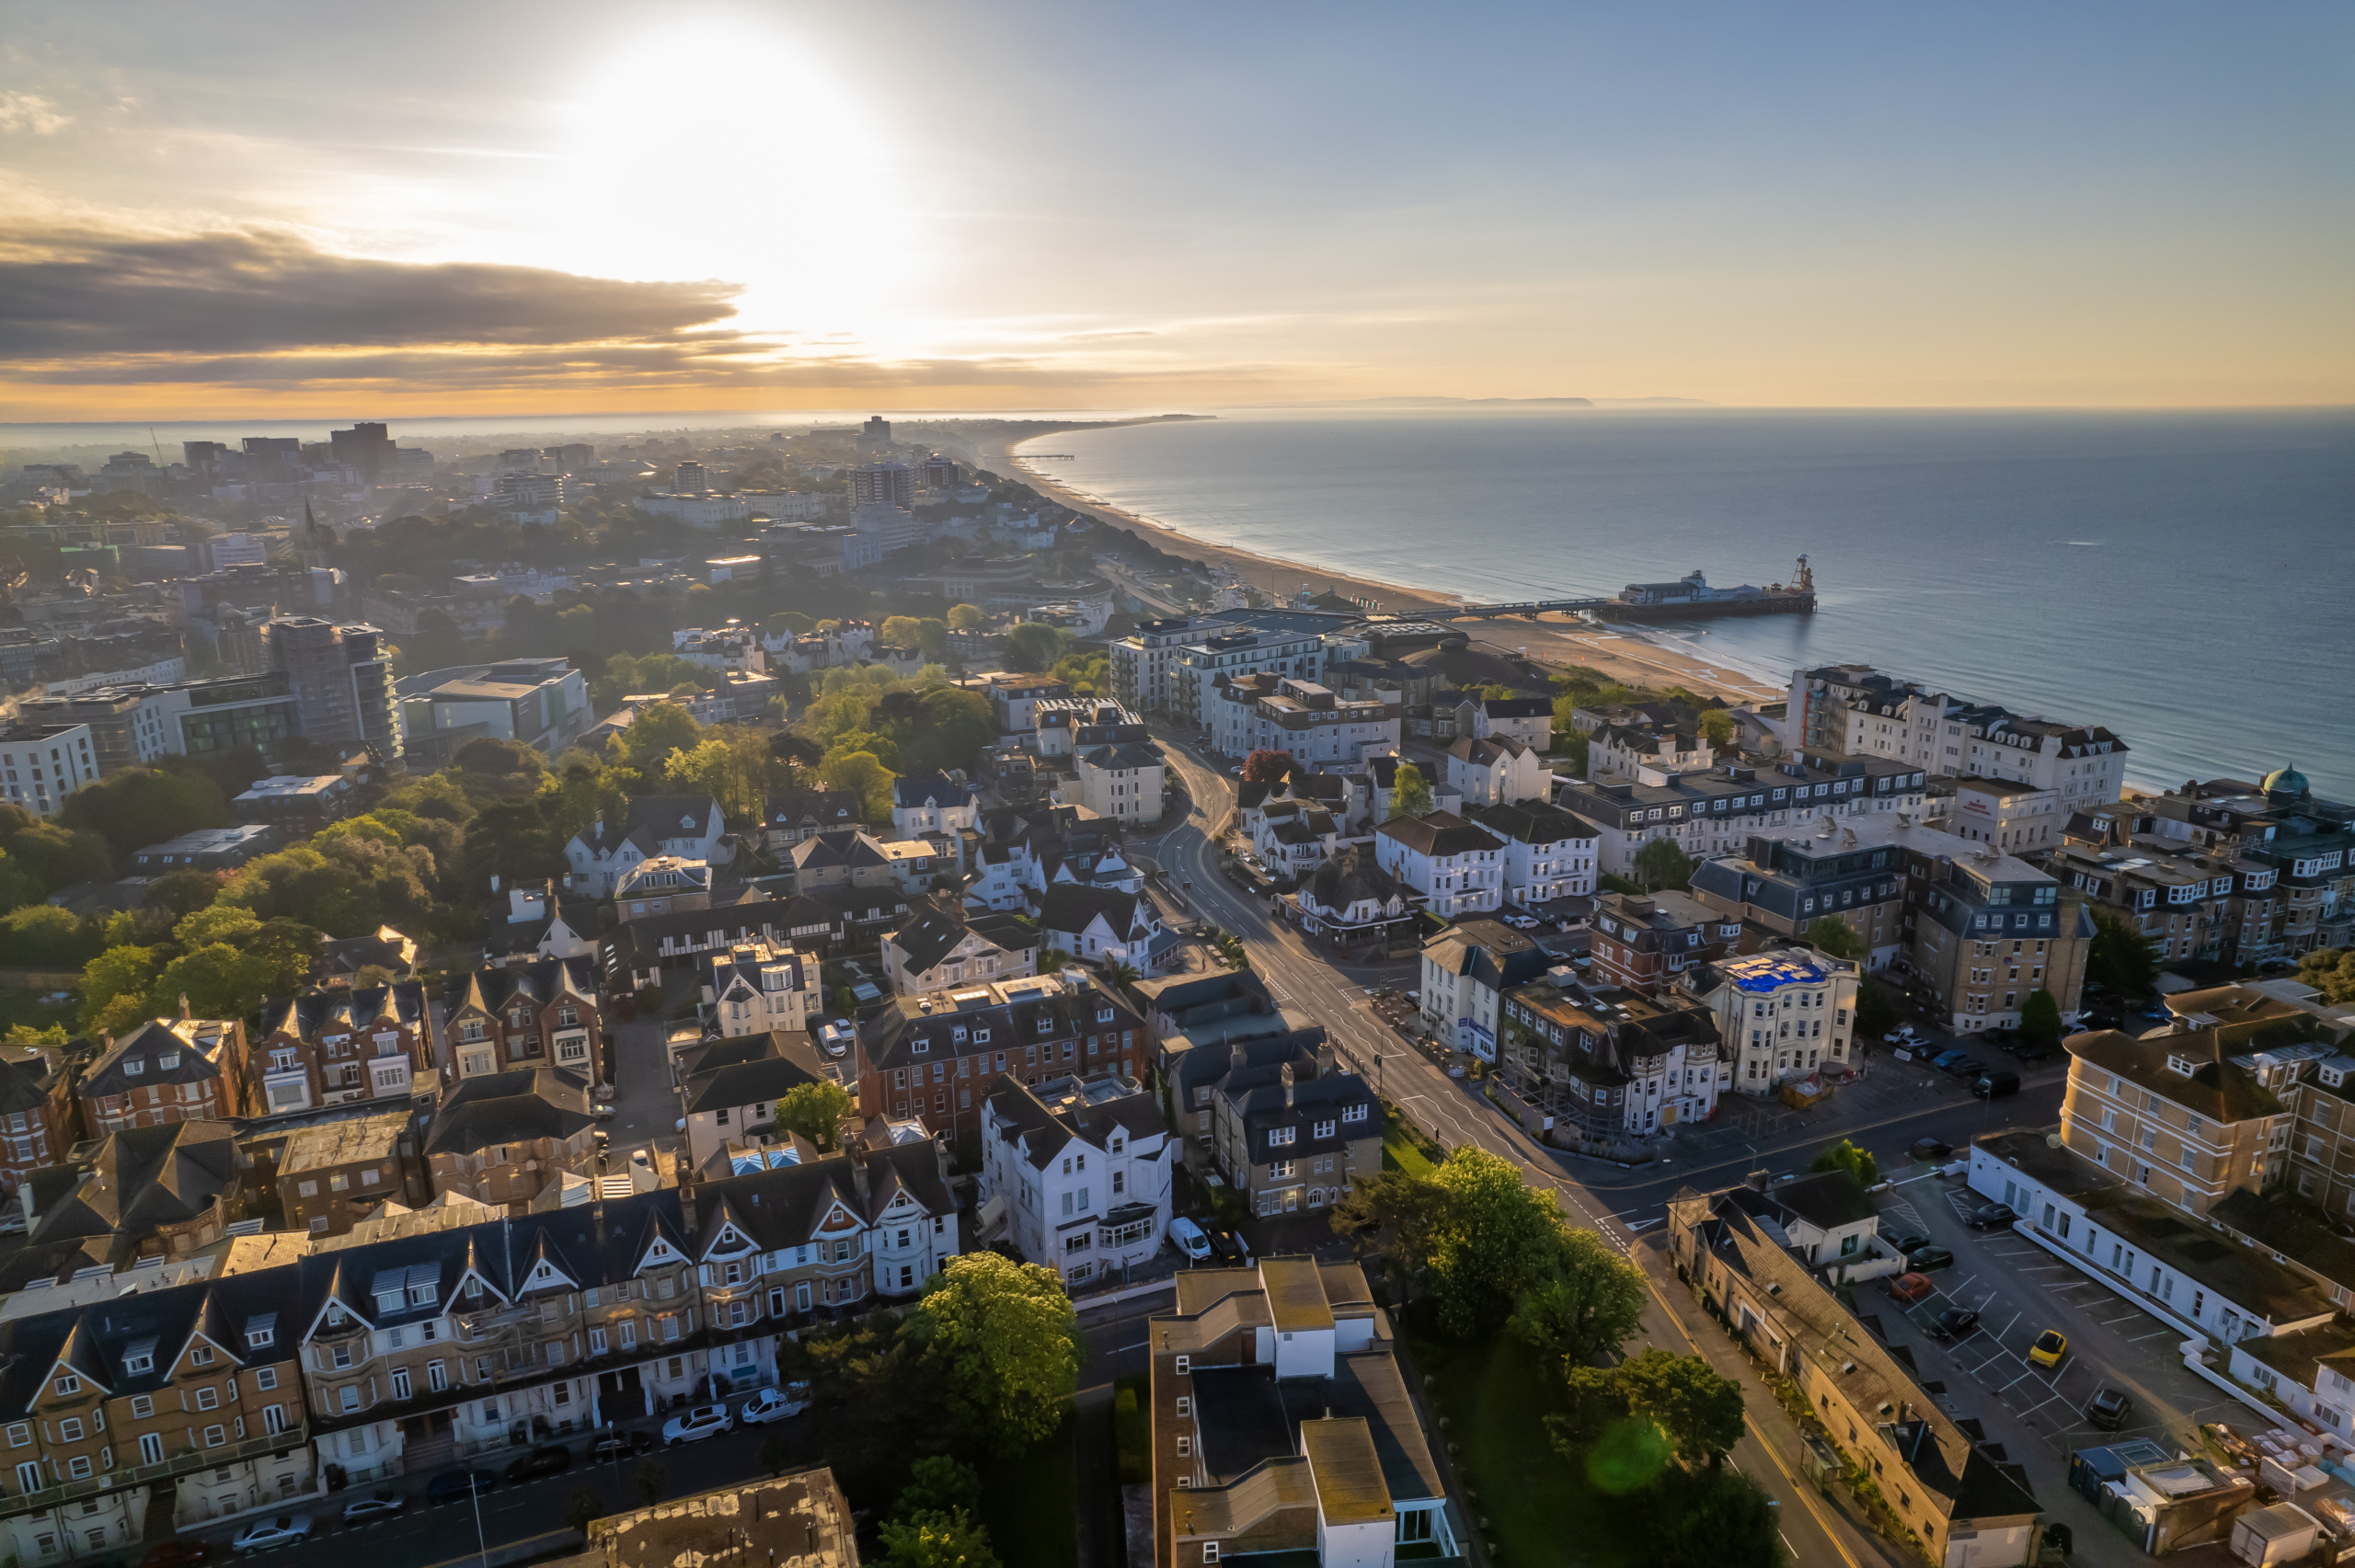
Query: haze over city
(231,209)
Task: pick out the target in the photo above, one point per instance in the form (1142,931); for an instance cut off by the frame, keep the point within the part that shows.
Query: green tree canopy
(966,618)
(42,936)
(864,775)
(1845,1156)
(1698,1411)
(1399,1211)
(1033,646)
(815,1111)
(1498,1240)
(183,892)
(1829,933)
(2119,956)
(659,729)
(1716,727)
(938,1484)
(1661,863)
(2040,1018)
(139,806)
(1590,1303)
(116,986)
(1003,1339)
(935,1540)
(1410,793)
(1716,1516)
(2330,970)
(53,855)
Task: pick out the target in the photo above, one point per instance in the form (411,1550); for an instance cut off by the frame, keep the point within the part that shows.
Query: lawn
(1031,1500)
(1399,1151)
(1540,1508)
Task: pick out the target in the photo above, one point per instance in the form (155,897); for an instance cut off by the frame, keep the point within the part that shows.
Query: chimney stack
(1757,1179)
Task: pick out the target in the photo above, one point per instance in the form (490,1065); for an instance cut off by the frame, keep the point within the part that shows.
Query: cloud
(30,111)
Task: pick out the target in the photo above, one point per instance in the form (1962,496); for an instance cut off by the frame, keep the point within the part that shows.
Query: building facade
(1076,1170)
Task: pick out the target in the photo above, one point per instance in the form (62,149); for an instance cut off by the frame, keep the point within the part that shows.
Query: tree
(2330,970)
(1716,727)
(514,840)
(1264,766)
(652,1479)
(1832,936)
(42,936)
(937,1542)
(966,618)
(2040,1018)
(1120,976)
(1003,1340)
(938,1484)
(863,775)
(659,729)
(115,987)
(1410,793)
(143,805)
(1401,1210)
(1876,1014)
(183,892)
(1660,864)
(1033,646)
(1591,1303)
(1498,1240)
(1712,1517)
(583,1508)
(2119,956)
(1845,1156)
(815,1111)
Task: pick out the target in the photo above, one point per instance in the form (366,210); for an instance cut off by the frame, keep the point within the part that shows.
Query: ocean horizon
(2182,579)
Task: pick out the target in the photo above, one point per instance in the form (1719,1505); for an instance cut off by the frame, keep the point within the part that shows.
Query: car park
(2109,1409)
(1921,1260)
(1908,1289)
(702,1421)
(774,1404)
(1931,1148)
(548,1458)
(283,1531)
(1187,1238)
(360,1510)
(1992,1217)
(620,1445)
(1955,1322)
(1995,1085)
(456,1485)
(2049,1347)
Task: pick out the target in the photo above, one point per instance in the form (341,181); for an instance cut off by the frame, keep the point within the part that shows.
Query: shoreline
(1625,654)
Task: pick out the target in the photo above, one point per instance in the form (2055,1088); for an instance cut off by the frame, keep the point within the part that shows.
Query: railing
(178,1464)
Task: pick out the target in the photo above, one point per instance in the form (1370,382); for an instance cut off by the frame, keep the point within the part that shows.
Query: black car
(621,1446)
(548,1460)
(1931,1149)
(456,1485)
(1905,1241)
(2030,1051)
(2109,1409)
(1965,1067)
(1992,1217)
(1995,1085)
(1955,1322)
(1226,1245)
(1922,1260)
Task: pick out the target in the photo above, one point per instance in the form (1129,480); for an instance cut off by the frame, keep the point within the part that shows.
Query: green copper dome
(2287,781)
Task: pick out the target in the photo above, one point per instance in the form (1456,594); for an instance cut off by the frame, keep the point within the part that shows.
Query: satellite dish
(2051,1141)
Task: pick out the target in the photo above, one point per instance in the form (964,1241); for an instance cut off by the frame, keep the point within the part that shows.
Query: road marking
(2127,1318)
(2152,1334)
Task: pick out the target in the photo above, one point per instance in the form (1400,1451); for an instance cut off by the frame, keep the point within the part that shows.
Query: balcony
(181,1463)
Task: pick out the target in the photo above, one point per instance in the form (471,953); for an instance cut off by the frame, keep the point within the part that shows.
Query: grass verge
(1031,1500)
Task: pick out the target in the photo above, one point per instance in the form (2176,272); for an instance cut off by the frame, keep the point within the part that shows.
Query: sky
(291,210)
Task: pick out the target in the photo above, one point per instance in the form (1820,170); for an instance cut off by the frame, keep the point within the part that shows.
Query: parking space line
(2015,1318)
(2127,1318)
(2152,1334)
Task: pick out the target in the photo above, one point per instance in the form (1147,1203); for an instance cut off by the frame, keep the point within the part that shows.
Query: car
(178,1552)
(283,1531)
(1187,1238)
(1416,997)
(2031,1051)
(1922,1260)
(679,1126)
(1904,1035)
(12,1222)
(1992,1217)
(548,1458)
(456,1485)
(1908,1289)
(1229,1246)
(620,1445)
(603,1113)
(1955,1322)
(696,1425)
(2109,1409)
(1995,1085)
(360,1510)
(2049,1347)
(1945,1060)
(1931,1148)
(1904,1241)
(1967,1068)
(774,1404)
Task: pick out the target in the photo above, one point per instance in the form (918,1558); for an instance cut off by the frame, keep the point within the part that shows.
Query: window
(68,1385)
(206,1399)
(351,1399)
(202,1355)
(69,1431)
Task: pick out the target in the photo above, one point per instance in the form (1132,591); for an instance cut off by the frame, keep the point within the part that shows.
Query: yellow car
(2050,1347)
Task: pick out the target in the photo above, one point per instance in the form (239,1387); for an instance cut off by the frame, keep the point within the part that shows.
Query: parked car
(283,1531)
(1967,1068)
(457,1485)
(1908,1289)
(1187,1238)
(1904,1241)
(548,1458)
(178,1552)
(2109,1409)
(360,1510)
(774,1404)
(1904,1035)
(12,1221)
(1955,1322)
(1992,1217)
(2049,1347)
(1995,1085)
(2031,1051)
(1945,1060)
(621,1446)
(1931,1148)
(702,1421)
(1921,1260)
(1229,1246)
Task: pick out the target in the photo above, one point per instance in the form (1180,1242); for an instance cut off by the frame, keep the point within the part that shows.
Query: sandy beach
(1633,655)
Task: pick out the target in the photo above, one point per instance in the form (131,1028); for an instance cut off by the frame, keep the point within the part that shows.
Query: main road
(1189,850)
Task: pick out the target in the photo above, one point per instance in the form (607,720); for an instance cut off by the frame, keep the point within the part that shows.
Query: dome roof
(2287,781)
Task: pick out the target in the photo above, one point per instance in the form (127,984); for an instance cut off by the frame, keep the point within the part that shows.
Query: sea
(2185,579)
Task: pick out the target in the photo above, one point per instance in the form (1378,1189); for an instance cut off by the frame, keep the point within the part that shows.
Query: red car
(1908,1289)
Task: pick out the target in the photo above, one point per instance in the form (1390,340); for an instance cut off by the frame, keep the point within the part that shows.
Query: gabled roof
(1073,907)
(759,1081)
(1440,834)
(1348,879)
(147,1047)
(812,808)
(521,1106)
(142,1178)
(1535,822)
(675,816)
(937,790)
(1043,1131)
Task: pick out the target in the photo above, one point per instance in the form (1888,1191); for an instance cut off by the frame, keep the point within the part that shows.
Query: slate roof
(338,1012)
(1535,822)
(2215,1089)
(1441,834)
(1128,754)
(1486,751)
(1043,1131)
(26,1074)
(848,850)
(929,789)
(1071,907)
(888,1039)
(522,1106)
(675,816)
(492,987)
(788,1060)
(140,1179)
(193,1060)
(812,808)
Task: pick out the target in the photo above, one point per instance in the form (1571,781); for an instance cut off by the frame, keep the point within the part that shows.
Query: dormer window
(2181,1064)
(167,1061)
(261,1339)
(140,1357)
(134,1069)
(424,1295)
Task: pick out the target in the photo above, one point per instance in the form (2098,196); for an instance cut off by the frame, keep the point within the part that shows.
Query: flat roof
(1296,1294)
(1350,1488)
(345,1142)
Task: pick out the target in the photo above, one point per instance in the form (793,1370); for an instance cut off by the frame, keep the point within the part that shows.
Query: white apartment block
(1714,814)
(754,988)
(1458,869)
(1782,1014)
(1168,666)
(1548,853)
(1855,710)
(1076,1173)
(1315,724)
(40,764)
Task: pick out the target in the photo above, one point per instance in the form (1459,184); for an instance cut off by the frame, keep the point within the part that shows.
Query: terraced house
(165,1071)
(526,1015)
(182,1403)
(37,1112)
(328,1048)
